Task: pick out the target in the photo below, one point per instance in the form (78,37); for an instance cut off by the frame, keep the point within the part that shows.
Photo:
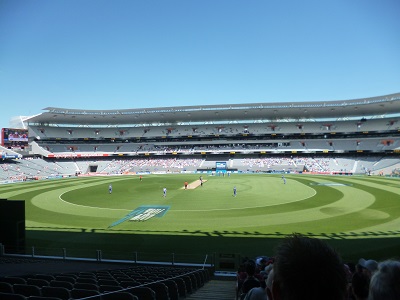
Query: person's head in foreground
(385,283)
(308,268)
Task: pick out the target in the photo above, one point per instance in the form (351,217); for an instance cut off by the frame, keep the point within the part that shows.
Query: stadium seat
(188,283)
(43,298)
(143,293)
(13,280)
(27,290)
(58,292)
(86,275)
(109,288)
(199,278)
(91,280)
(172,289)
(206,274)
(121,277)
(10,296)
(64,284)
(195,281)
(181,287)
(86,286)
(119,296)
(70,279)
(38,282)
(107,282)
(104,277)
(129,283)
(161,290)
(6,287)
(45,277)
(82,293)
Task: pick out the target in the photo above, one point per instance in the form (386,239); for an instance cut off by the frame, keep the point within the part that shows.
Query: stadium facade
(362,127)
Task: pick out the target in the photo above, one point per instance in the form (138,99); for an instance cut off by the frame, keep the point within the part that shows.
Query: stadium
(89,184)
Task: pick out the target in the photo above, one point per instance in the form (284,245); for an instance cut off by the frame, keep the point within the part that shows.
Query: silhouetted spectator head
(385,283)
(369,266)
(360,285)
(307,268)
(250,267)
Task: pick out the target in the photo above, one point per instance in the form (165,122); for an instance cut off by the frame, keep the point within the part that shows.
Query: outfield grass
(360,216)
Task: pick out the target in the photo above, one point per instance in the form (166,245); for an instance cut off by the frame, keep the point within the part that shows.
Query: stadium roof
(365,107)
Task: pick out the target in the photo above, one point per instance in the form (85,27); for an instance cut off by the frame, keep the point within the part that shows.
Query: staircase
(215,290)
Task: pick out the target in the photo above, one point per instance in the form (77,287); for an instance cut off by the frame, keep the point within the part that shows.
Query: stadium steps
(215,290)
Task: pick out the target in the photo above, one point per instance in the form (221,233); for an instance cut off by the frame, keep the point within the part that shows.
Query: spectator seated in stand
(260,293)
(368,266)
(360,286)
(385,283)
(249,281)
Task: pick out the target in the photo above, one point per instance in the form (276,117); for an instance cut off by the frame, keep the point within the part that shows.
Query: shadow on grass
(351,246)
(225,233)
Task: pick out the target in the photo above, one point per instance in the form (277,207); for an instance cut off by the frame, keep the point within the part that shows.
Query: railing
(134,257)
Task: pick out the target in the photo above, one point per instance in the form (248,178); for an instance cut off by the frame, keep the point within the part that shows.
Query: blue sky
(97,54)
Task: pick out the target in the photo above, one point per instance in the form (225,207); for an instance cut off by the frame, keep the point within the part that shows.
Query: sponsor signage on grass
(143,213)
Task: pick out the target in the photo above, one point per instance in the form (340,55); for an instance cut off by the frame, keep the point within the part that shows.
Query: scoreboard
(220,165)
(14,138)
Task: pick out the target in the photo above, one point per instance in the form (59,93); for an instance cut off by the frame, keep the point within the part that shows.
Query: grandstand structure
(326,137)
(350,136)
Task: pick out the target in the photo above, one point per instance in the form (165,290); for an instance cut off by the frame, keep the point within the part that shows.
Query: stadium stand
(360,126)
(77,280)
(358,136)
(67,152)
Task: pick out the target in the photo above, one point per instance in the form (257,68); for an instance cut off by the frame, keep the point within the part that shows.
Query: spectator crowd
(308,268)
